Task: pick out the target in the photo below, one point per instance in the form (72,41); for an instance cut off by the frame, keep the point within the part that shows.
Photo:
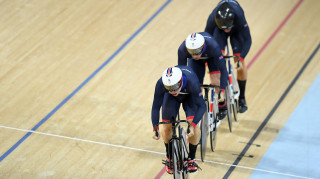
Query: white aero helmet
(172,78)
(195,44)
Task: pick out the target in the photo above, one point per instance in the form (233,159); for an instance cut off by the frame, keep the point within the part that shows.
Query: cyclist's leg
(214,73)
(241,72)
(215,78)
(221,38)
(199,68)
(190,115)
(190,109)
(236,40)
(170,108)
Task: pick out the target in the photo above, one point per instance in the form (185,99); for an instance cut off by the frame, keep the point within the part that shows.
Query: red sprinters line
(274,34)
(160,173)
(257,55)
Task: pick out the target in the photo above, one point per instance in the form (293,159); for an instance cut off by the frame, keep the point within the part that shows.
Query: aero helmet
(224,16)
(195,43)
(172,78)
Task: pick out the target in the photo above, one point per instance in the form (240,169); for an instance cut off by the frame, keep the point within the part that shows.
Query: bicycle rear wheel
(204,133)
(236,93)
(175,159)
(229,110)
(235,110)
(213,134)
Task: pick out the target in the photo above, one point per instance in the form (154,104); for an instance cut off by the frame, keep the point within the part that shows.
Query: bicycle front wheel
(175,159)
(204,133)
(184,154)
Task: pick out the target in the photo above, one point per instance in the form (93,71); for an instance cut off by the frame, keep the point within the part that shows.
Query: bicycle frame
(179,149)
(233,91)
(233,85)
(213,103)
(209,122)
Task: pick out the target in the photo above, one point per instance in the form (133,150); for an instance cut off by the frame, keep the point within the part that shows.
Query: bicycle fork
(234,92)
(213,109)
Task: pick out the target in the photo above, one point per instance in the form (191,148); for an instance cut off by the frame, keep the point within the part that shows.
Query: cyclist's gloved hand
(156,133)
(238,64)
(222,95)
(190,132)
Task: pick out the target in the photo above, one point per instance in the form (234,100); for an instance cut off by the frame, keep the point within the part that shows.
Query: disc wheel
(213,135)
(235,110)
(229,110)
(204,133)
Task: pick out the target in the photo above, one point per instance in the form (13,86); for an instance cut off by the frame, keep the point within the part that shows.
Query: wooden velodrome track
(81,75)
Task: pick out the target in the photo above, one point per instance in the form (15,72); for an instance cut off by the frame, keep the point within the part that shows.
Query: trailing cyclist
(201,49)
(228,20)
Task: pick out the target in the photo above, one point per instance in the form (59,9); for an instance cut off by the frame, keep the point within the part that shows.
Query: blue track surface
(295,151)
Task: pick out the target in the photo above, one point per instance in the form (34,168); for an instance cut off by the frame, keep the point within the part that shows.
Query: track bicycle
(232,93)
(179,148)
(210,121)
(232,90)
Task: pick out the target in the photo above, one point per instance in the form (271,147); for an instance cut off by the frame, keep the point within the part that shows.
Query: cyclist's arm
(182,55)
(223,73)
(243,31)
(157,102)
(221,63)
(211,25)
(246,43)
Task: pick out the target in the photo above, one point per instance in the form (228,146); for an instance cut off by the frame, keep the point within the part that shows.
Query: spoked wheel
(213,134)
(204,133)
(229,110)
(235,108)
(184,154)
(175,159)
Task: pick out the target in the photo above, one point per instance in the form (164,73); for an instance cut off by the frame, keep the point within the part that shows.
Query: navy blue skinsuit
(240,37)
(190,96)
(211,54)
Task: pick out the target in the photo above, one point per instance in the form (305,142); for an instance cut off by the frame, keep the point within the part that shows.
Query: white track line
(149,151)
(83,140)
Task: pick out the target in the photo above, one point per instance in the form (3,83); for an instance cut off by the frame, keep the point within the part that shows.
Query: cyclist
(201,49)
(178,85)
(228,20)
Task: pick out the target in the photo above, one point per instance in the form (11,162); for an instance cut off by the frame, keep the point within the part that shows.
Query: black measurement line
(263,124)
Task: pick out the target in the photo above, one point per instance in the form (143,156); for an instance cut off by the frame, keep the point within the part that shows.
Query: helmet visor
(174,87)
(197,51)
